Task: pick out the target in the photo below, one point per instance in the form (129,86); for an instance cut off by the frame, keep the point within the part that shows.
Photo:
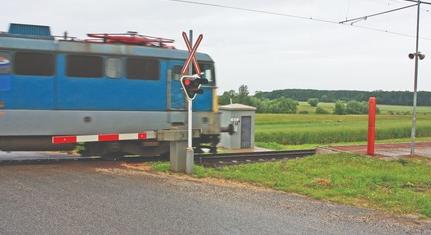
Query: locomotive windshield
(208,73)
(207,70)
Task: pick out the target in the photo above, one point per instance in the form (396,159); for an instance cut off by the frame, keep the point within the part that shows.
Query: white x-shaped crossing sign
(191,57)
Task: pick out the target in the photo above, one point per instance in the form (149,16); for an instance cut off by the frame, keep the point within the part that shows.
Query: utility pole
(416,56)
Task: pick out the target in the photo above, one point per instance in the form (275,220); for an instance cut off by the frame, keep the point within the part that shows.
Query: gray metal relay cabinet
(242,118)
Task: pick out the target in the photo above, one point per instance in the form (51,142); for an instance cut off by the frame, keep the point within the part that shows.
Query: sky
(265,52)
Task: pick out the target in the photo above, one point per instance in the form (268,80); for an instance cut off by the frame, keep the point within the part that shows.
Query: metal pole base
(182,158)
(190,160)
(177,156)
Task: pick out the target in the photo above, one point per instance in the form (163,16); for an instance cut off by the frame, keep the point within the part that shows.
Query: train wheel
(112,156)
(165,156)
(198,149)
(213,150)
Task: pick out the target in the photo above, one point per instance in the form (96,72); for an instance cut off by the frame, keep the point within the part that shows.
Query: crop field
(384,109)
(394,109)
(304,106)
(299,129)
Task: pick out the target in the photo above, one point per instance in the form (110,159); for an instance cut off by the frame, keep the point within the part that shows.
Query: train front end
(76,88)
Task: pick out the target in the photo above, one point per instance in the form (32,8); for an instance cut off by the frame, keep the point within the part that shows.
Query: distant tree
(285,105)
(223,100)
(227,96)
(313,102)
(325,98)
(280,105)
(243,97)
(261,105)
(340,108)
(243,90)
(231,93)
(355,107)
(320,110)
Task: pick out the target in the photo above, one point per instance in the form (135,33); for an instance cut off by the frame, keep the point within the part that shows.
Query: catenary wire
(293,16)
(377,14)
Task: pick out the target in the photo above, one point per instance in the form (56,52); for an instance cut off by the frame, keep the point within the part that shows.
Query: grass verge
(400,187)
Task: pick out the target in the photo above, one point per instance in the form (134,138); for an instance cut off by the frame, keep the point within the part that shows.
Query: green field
(304,106)
(398,109)
(384,109)
(299,129)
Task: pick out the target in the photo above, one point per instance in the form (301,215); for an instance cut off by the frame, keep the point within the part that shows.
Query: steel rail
(208,160)
(240,158)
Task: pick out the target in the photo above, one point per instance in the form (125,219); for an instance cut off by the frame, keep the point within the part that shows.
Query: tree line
(263,105)
(288,105)
(383,97)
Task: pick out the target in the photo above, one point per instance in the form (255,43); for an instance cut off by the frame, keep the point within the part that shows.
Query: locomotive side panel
(110,93)
(80,122)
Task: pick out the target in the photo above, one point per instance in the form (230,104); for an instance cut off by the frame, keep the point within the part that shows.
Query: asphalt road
(106,198)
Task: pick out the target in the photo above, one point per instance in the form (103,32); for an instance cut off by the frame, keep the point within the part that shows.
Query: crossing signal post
(192,86)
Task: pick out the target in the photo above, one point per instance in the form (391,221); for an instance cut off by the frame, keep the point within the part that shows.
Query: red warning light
(187,82)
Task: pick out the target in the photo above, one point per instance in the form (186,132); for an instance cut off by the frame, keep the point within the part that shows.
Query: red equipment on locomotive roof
(132,38)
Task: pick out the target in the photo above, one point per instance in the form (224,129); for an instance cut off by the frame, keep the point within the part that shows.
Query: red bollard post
(371,125)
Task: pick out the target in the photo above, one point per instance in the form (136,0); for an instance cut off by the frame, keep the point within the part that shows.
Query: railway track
(218,160)
(208,160)
(41,161)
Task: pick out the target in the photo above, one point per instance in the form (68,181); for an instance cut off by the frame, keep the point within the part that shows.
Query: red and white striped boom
(70,139)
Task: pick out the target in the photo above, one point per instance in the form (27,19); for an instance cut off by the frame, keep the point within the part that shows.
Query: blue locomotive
(111,84)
